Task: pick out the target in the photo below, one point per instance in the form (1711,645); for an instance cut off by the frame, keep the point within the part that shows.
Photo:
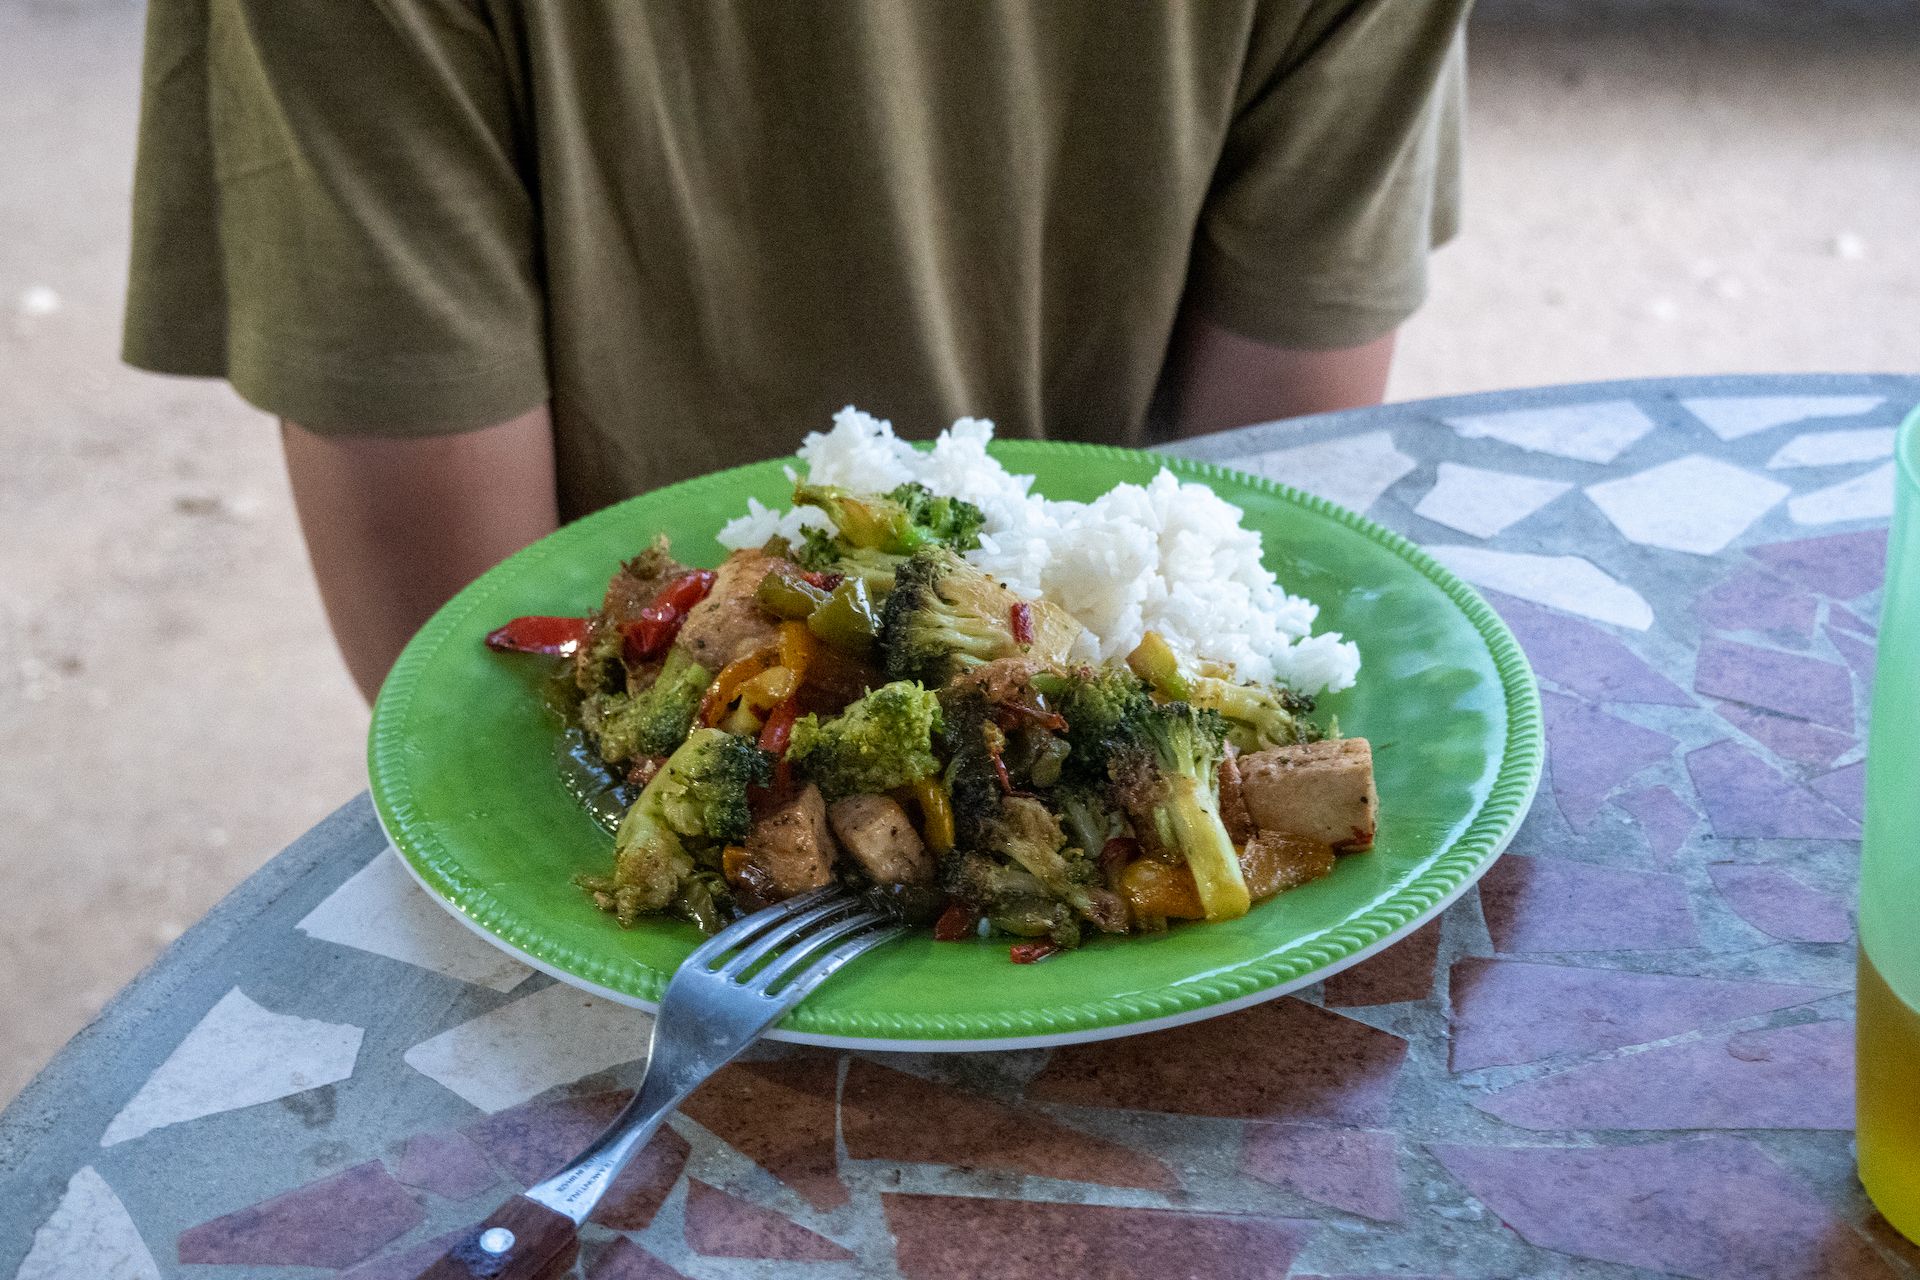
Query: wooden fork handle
(543,1245)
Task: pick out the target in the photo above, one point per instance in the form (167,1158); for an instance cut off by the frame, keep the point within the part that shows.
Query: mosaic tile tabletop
(1627,1054)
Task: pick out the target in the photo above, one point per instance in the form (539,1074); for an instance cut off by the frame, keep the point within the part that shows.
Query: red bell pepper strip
(1020,619)
(687,590)
(956,923)
(649,635)
(558,637)
(824,581)
(777,732)
(1032,952)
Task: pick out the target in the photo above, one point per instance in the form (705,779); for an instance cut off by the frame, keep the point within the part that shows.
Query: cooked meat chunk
(1002,680)
(728,624)
(789,850)
(1318,790)
(1233,805)
(875,831)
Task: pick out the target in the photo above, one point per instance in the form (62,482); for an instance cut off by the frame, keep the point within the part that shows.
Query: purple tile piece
(1778,904)
(1580,656)
(1848,620)
(535,1139)
(1556,904)
(1788,1078)
(1755,601)
(1404,971)
(891,1115)
(1665,819)
(1282,1060)
(1787,737)
(1857,653)
(406,1264)
(721,1225)
(334,1222)
(1356,1170)
(1507,1011)
(1846,789)
(780,1115)
(1590,753)
(625,1260)
(1790,683)
(447,1164)
(1746,797)
(1715,1208)
(953,1237)
(1840,567)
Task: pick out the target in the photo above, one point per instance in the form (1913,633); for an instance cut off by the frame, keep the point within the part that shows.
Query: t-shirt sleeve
(330,212)
(1340,171)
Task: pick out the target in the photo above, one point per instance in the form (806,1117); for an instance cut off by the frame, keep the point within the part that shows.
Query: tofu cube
(1318,791)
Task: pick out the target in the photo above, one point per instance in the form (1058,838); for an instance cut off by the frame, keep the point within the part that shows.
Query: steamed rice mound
(1164,556)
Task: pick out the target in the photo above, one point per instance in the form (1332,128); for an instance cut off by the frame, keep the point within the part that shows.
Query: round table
(1627,1054)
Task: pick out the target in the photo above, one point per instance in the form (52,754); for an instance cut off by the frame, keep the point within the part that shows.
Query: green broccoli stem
(1191,817)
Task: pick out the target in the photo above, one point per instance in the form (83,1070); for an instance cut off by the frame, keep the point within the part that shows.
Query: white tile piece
(380,909)
(1865,497)
(554,1036)
(1731,417)
(1481,502)
(1832,448)
(239,1055)
(1567,583)
(90,1235)
(1694,503)
(1598,431)
(1352,470)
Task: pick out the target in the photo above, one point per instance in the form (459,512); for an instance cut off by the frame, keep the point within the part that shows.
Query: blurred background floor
(1705,187)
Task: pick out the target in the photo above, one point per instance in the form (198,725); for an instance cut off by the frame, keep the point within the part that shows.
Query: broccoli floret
(1257,717)
(952,521)
(1011,898)
(945,617)
(819,549)
(1088,817)
(883,741)
(653,721)
(1166,775)
(899,523)
(970,740)
(666,849)
(1098,704)
(1026,833)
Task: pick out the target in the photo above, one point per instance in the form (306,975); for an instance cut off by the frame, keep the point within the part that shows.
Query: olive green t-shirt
(698,227)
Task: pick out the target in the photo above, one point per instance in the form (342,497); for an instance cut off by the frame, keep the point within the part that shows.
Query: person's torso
(752,213)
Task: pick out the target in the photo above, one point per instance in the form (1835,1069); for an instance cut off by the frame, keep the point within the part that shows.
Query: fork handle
(539,1244)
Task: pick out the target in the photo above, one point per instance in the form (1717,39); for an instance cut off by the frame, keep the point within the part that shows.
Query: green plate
(463,774)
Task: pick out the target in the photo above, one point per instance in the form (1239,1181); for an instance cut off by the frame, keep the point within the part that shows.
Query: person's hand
(395,526)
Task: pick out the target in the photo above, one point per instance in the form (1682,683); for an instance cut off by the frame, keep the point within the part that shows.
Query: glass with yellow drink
(1889,984)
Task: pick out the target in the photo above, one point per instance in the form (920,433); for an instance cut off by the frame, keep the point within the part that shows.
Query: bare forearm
(395,526)
(1218,379)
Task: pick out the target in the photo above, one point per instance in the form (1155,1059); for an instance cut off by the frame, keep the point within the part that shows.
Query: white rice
(1166,556)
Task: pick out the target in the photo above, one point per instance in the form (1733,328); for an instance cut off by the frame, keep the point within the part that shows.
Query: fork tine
(798,989)
(747,928)
(802,953)
(782,932)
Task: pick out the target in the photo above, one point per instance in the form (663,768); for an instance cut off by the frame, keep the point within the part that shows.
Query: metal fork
(721,999)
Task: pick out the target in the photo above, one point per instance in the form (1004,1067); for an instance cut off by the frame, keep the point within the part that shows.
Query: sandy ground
(1704,188)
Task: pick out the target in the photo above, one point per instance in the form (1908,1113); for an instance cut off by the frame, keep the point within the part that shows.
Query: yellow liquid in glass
(1889,1110)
